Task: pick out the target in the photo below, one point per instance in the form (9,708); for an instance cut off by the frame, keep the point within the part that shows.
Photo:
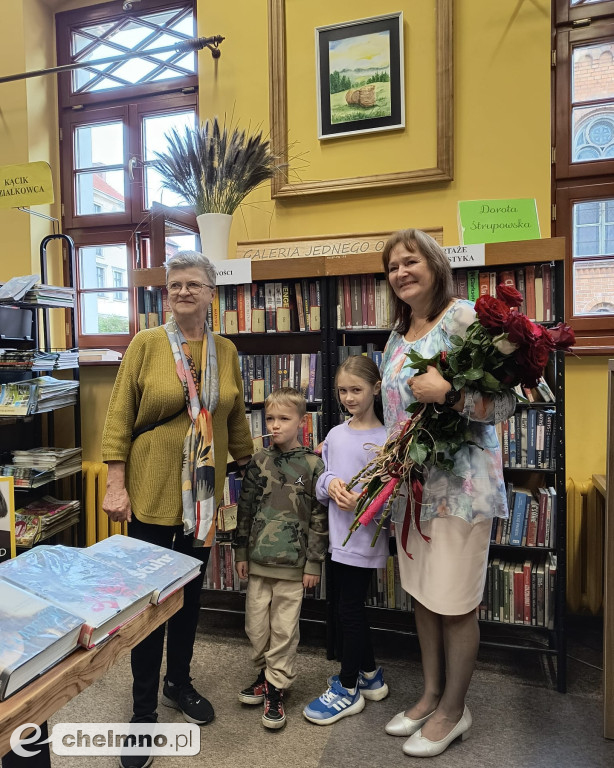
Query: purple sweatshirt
(345,453)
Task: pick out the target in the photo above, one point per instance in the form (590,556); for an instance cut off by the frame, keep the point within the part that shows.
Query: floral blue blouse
(475,490)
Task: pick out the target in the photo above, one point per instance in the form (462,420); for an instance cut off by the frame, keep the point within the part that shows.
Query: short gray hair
(187,259)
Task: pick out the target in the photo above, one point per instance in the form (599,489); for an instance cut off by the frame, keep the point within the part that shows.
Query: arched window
(594,139)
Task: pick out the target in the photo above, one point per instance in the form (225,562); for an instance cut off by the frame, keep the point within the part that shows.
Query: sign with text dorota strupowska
(25,184)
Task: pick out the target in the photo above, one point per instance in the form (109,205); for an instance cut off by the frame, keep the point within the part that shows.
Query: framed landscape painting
(359,70)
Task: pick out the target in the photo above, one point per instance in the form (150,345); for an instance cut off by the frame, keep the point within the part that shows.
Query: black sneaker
(274,715)
(194,707)
(254,693)
(144,759)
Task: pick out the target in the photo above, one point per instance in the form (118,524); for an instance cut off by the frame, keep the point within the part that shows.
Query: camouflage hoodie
(282,529)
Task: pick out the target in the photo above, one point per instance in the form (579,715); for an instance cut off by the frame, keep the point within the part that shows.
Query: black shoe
(254,693)
(274,715)
(194,707)
(144,759)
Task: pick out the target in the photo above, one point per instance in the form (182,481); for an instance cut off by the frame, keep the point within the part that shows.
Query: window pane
(99,144)
(177,243)
(134,70)
(156,126)
(593,72)
(98,263)
(154,140)
(587,213)
(593,287)
(105,312)
(592,133)
(100,192)
(155,193)
(135,33)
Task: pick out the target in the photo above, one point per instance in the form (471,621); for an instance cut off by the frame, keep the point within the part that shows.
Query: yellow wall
(502,74)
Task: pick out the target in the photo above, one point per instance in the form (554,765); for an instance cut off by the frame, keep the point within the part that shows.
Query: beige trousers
(272,608)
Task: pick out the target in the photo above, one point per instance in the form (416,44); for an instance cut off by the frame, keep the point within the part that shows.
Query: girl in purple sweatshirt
(347,449)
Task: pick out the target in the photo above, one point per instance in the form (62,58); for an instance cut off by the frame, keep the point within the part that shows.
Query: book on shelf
(103,597)
(34,635)
(161,569)
(520,591)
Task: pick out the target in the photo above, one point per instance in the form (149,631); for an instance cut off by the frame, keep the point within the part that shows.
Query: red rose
(532,360)
(491,312)
(563,336)
(521,330)
(544,337)
(509,295)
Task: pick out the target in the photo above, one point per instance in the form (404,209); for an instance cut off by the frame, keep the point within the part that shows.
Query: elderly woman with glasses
(176,411)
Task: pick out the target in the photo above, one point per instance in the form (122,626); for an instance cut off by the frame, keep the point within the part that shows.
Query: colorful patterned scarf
(198,465)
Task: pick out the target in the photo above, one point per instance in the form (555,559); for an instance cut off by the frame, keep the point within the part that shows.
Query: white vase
(214,232)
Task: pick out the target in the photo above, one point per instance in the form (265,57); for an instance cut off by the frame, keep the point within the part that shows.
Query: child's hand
(241,568)
(309,580)
(347,500)
(335,488)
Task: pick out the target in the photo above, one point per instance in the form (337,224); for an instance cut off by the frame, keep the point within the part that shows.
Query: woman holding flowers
(442,554)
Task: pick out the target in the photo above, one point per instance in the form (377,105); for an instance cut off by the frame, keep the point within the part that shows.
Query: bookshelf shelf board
(513,547)
(271,334)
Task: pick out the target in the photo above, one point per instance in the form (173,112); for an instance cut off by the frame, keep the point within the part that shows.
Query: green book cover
(496,221)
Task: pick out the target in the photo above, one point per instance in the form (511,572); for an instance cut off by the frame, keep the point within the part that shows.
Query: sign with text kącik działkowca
(25,184)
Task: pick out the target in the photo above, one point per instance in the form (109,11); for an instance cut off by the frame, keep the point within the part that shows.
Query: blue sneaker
(373,689)
(333,704)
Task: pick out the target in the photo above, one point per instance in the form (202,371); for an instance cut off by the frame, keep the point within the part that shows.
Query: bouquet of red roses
(501,349)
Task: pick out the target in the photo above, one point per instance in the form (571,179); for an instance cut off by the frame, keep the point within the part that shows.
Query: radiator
(97,524)
(585,539)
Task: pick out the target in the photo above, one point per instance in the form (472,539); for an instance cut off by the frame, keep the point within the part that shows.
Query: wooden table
(43,697)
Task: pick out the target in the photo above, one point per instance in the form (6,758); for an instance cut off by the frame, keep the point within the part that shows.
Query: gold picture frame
(444,168)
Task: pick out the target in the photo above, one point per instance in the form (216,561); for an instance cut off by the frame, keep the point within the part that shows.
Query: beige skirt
(447,574)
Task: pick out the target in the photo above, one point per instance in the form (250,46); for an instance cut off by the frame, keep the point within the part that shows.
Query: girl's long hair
(364,368)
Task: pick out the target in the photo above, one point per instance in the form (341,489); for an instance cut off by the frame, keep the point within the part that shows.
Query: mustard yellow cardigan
(148,389)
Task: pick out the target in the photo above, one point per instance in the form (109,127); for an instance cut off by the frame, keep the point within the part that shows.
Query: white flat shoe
(418,746)
(404,726)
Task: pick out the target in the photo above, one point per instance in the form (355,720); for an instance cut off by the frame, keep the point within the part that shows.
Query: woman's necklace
(414,333)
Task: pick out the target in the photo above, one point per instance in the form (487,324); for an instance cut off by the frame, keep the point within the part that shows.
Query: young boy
(281,541)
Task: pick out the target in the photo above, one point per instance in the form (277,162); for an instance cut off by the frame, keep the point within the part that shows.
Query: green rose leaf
(418,452)
(473,374)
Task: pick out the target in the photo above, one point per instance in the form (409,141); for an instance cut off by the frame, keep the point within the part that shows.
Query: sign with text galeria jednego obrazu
(26,184)
(497,221)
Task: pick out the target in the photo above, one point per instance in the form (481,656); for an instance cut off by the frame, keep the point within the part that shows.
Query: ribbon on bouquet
(413,509)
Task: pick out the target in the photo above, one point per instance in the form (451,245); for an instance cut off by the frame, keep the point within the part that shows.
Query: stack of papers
(16,359)
(24,477)
(54,295)
(63,461)
(54,393)
(93,355)
(39,395)
(43,518)
(56,360)
(15,289)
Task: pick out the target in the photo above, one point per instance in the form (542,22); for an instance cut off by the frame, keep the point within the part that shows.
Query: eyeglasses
(192,287)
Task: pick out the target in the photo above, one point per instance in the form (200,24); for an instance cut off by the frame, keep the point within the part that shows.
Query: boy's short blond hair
(287,396)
